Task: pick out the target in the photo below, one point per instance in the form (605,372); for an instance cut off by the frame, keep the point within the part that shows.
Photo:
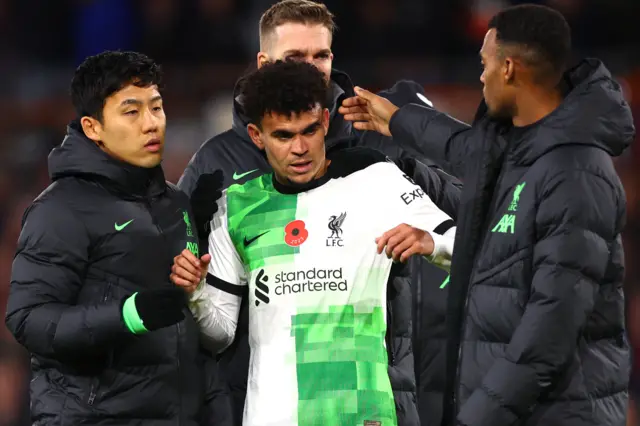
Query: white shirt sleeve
(216,302)
(416,209)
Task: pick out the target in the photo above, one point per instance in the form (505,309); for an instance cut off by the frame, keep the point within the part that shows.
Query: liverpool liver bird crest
(335,225)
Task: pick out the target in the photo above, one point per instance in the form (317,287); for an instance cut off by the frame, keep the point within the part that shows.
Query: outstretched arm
(433,134)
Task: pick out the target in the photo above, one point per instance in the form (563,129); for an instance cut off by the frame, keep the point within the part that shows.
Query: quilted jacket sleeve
(46,279)
(435,135)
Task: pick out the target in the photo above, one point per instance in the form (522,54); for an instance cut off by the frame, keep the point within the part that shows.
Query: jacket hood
(78,156)
(593,113)
(342,87)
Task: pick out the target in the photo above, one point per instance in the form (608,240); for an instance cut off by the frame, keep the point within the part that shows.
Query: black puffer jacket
(237,158)
(102,231)
(536,301)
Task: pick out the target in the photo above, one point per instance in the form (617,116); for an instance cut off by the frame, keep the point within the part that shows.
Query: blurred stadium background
(205,45)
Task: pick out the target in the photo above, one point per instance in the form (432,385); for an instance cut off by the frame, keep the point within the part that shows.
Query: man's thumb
(364,94)
(205,259)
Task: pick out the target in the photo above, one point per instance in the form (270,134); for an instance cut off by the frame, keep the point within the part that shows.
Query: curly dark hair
(538,34)
(285,88)
(100,76)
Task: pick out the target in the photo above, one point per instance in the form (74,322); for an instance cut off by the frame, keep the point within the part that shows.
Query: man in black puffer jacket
(536,305)
(111,339)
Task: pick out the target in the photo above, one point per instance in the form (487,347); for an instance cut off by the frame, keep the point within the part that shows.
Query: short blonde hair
(306,12)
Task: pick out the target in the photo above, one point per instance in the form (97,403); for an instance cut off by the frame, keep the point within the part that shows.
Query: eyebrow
(288,133)
(133,101)
(282,134)
(293,52)
(312,126)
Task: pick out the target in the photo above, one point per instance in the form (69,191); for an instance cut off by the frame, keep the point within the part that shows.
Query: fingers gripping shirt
(317,292)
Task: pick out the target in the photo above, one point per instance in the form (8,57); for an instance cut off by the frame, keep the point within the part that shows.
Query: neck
(534,104)
(285,186)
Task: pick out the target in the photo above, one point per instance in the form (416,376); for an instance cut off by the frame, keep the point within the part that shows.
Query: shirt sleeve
(416,209)
(436,136)
(216,303)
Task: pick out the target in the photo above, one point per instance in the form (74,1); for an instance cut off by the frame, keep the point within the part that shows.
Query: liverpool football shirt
(307,261)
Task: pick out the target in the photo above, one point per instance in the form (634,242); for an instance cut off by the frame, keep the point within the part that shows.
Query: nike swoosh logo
(247,242)
(121,227)
(237,176)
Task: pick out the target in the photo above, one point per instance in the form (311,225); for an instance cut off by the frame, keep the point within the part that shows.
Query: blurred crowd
(205,45)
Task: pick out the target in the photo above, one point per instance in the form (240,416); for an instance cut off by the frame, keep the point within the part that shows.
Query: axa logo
(262,290)
(507,224)
(335,226)
(193,248)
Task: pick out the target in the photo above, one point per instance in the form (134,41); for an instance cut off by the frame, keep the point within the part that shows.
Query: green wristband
(131,318)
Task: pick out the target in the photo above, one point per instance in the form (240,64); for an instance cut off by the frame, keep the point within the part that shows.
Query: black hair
(100,76)
(283,87)
(540,35)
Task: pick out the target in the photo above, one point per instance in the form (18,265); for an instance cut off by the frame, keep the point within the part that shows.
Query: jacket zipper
(417,321)
(390,335)
(179,373)
(92,395)
(94,385)
(456,400)
(153,219)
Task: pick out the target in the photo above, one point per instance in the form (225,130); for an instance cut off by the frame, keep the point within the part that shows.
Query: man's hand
(151,310)
(368,111)
(187,270)
(204,201)
(404,241)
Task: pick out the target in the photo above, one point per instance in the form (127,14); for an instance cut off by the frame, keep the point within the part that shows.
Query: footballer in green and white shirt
(300,243)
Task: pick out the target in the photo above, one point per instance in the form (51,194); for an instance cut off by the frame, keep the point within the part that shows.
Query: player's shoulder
(176,195)
(221,141)
(347,161)
(226,152)
(249,194)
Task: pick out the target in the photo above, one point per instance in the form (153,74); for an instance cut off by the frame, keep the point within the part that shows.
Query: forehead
(295,123)
(132,92)
(302,37)
(489,45)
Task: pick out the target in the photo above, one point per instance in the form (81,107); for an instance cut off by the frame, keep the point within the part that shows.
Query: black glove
(204,202)
(153,309)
